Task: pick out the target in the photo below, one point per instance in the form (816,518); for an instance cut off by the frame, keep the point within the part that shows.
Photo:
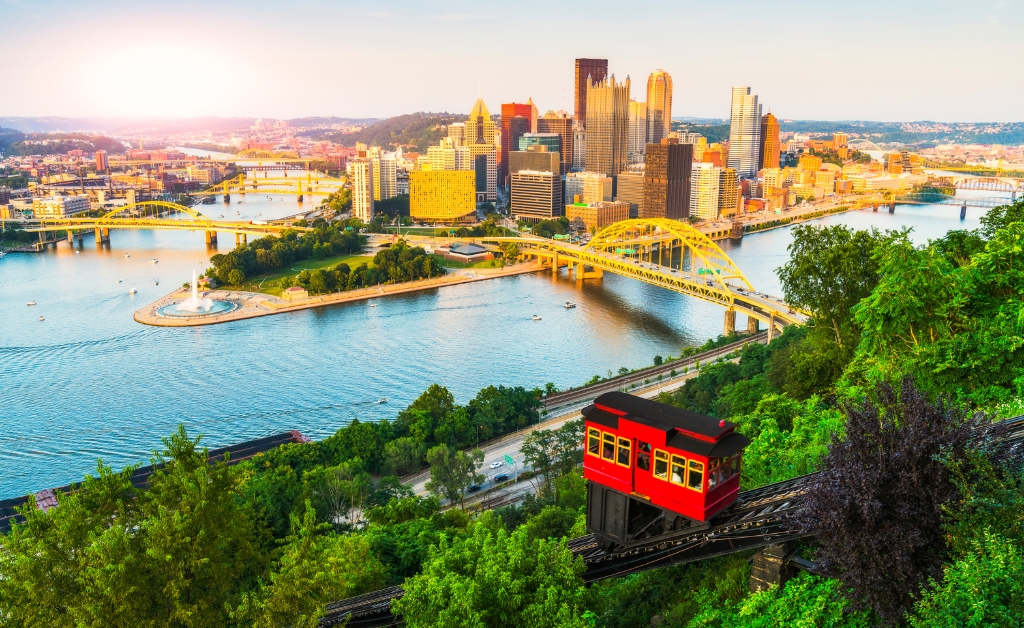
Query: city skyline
(228,60)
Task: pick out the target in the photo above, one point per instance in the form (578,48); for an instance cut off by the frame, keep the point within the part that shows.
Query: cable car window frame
(608,440)
(643,456)
(672,468)
(661,457)
(594,442)
(623,445)
(692,470)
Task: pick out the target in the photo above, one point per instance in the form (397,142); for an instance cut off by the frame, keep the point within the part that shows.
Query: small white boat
(153,261)
(127,255)
(118,281)
(536,318)
(156,282)
(132,291)
(78,252)
(30,303)
(569,306)
(382,400)
(41,318)
(373,305)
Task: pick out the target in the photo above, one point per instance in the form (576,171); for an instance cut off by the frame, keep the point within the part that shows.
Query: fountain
(193,306)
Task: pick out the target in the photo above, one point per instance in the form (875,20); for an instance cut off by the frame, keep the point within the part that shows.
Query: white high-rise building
(385,177)
(362,188)
(704,187)
(591,187)
(637,132)
(744,132)
(579,148)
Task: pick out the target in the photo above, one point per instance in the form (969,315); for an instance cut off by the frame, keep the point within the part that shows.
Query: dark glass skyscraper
(667,181)
(597,70)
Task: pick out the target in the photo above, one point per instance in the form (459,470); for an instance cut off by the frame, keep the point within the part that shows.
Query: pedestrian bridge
(669,254)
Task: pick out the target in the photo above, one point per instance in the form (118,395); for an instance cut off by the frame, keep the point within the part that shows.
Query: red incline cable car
(654,469)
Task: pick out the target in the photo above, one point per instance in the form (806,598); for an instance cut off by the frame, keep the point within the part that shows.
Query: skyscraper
(535,194)
(579,148)
(607,126)
(667,181)
(560,123)
(101,160)
(480,142)
(705,181)
(362,188)
(659,106)
(744,132)
(509,111)
(768,156)
(533,114)
(385,176)
(587,70)
(637,132)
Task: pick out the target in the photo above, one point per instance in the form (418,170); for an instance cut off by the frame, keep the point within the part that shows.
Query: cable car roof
(685,430)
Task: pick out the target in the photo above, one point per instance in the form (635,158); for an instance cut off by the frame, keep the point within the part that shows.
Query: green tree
(235,277)
(452,471)
(338,492)
(404,455)
(313,570)
(983,588)
(493,578)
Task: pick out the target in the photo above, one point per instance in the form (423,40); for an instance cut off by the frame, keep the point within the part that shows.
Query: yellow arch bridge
(310,184)
(158,215)
(672,255)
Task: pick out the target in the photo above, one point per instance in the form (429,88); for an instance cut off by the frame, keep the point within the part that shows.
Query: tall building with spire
(768,155)
(659,106)
(533,114)
(744,132)
(587,71)
(607,126)
(480,134)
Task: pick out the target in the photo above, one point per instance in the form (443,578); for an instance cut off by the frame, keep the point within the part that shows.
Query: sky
(944,60)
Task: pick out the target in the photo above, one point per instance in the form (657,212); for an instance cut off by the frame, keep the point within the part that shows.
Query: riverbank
(255,304)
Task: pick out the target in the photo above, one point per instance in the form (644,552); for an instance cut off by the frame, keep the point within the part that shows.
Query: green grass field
(271,282)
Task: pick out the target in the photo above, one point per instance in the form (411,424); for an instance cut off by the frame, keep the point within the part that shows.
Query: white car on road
(496,464)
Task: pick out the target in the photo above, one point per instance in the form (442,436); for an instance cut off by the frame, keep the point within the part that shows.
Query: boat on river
(568,305)
(382,400)
(536,318)
(31,303)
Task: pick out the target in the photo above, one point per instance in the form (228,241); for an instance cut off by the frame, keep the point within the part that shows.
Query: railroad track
(759,518)
(588,393)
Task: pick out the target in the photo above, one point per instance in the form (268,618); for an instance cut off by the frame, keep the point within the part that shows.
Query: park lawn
(496,263)
(270,283)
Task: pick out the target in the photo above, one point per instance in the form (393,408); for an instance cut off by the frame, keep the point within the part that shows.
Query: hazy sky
(868,59)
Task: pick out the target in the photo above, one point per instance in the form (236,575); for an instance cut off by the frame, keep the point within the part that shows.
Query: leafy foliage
(876,508)
(493,578)
(416,131)
(983,588)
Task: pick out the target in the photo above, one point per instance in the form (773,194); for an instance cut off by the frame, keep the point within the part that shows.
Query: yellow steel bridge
(669,254)
(155,215)
(300,186)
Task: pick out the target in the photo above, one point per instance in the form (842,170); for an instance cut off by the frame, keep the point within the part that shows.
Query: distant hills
(153,125)
(413,131)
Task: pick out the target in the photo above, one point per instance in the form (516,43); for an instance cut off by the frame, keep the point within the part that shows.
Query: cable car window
(643,455)
(678,469)
(594,442)
(661,465)
(696,481)
(609,447)
(713,477)
(624,451)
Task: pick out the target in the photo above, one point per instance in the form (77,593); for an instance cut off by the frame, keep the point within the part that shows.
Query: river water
(89,382)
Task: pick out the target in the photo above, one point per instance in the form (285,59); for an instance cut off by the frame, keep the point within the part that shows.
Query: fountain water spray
(193,304)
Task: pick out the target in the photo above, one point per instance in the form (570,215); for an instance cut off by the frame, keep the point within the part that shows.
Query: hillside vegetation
(412,131)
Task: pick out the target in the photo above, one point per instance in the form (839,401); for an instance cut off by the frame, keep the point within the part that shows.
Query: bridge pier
(771,327)
(752,325)
(875,208)
(963,211)
(211,238)
(771,566)
(554,264)
(241,240)
(892,208)
(730,322)
(71,237)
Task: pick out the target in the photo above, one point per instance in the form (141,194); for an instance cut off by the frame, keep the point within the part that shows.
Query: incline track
(760,517)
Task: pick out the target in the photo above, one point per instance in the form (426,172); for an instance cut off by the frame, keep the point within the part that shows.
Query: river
(89,382)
